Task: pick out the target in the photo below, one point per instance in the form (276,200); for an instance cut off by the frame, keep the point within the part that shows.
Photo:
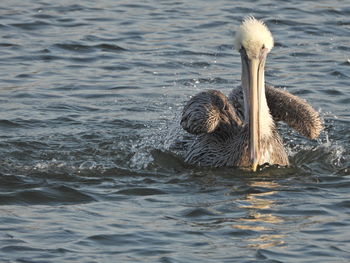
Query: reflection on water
(258,220)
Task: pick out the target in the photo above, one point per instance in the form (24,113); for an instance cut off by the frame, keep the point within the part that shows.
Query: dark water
(89,94)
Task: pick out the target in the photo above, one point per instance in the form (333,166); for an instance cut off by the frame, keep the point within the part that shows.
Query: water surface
(90,95)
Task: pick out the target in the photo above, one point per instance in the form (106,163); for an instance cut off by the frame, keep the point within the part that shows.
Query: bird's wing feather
(294,111)
(236,98)
(209,112)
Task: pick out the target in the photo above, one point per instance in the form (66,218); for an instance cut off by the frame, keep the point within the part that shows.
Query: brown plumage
(222,136)
(286,107)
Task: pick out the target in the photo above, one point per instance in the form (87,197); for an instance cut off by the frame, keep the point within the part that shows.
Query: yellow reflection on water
(266,241)
(259,221)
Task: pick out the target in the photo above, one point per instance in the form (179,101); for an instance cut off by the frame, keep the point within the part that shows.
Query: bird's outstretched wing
(294,111)
(209,112)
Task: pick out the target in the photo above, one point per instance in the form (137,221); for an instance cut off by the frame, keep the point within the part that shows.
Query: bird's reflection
(259,219)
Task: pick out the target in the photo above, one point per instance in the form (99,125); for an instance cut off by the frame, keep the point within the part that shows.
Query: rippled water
(89,96)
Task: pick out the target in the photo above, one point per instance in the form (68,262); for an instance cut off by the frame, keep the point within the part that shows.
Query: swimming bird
(241,130)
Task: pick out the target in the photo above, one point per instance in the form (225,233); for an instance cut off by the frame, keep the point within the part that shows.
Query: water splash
(323,152)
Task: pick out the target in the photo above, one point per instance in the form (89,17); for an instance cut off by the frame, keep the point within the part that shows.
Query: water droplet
(87,165)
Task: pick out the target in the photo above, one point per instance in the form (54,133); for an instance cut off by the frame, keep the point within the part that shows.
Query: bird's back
(228,144)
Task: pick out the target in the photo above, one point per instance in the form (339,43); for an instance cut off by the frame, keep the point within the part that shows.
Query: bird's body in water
(240,130)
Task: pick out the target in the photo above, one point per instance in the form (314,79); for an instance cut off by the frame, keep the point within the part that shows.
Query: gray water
(90,96)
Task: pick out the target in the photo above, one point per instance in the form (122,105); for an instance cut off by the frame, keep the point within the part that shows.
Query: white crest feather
(253,34)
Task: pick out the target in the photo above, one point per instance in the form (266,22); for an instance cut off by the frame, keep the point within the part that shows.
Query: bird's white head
(253,35)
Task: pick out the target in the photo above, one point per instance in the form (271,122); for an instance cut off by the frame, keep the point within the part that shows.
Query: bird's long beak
(253,86)
(254,90)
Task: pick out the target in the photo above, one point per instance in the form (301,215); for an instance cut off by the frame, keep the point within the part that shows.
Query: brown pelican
(240,130)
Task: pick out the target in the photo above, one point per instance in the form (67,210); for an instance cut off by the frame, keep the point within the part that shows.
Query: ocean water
(90,97)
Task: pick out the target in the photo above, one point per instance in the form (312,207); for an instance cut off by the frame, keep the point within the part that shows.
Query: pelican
(241,130)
